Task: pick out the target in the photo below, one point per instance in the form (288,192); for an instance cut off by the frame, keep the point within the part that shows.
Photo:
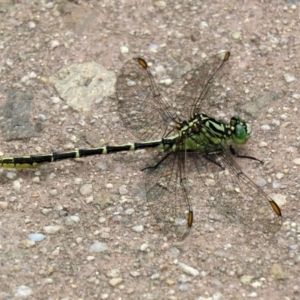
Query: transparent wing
(234,194)
(167,194)
(199,84)
(141,107)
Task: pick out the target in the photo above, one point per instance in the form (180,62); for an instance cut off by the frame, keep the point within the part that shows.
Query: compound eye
(240,134)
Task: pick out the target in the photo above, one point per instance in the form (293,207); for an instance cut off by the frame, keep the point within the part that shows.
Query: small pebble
(90,258)
(276,271)
(183,287)
(113,273)
(279,199)
(22,291)
(129,211)
(263,144)
(9,62)
(36,237)
(237,36)
(173,252)
(123,190)
(188,270)
(135,273)
(115,281)
(102,166)
(52,229)
(246,279)
(124,49)
(160,70)
(155,276)
(3,204)
(54,44)
(265,127)
(203,25)
(256,284)
(279,175)
(11,175)
(261,182)
(138,228)
(289,78)
(160,4)
(144,246)
(296,161)
(89,199)
(98,247)
(86,189)
(31,25)
(275,184)
(16,185)
(78,180)
(26,243)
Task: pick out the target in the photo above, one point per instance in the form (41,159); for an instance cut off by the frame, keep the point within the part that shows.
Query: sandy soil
(76,204)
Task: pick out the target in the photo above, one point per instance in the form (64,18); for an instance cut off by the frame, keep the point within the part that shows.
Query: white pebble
(276,122)
(124,49)
(283,117)
(16,185)
(55,100)
(115,281)
(36,237)
(237,35)
(296,161)
(22,291)
(86,189)
(52,229)
(265,127)
(203,25)
(102,165)
(144,246)
(54,44)
(3,204)
(36,179)
(11,175)
(289,78)
(134,273)
(109,185)
(280,199)
(9,62)
(263,144)
(98,247)
(113,273)
(123,190)
(188,270)
(89,199)
(279,175)
(90,258)
(160,4)
(138,228)
(78,180)
(129,211)
(160,70)
(31,25)
(102,220)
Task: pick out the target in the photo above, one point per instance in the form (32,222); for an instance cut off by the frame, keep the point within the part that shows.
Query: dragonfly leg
(232,150)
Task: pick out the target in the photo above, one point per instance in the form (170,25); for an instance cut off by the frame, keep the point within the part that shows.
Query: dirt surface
(86,251)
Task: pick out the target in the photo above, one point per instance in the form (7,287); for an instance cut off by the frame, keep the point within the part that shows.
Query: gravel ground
(59,61)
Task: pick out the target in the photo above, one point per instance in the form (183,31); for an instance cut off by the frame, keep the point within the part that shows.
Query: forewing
(142,108)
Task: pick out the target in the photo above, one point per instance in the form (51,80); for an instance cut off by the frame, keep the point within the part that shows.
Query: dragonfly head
(240,130)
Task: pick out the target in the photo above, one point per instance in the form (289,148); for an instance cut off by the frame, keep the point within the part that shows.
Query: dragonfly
(186,139)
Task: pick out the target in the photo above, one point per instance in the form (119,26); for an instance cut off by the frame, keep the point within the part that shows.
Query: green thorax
(203,130)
